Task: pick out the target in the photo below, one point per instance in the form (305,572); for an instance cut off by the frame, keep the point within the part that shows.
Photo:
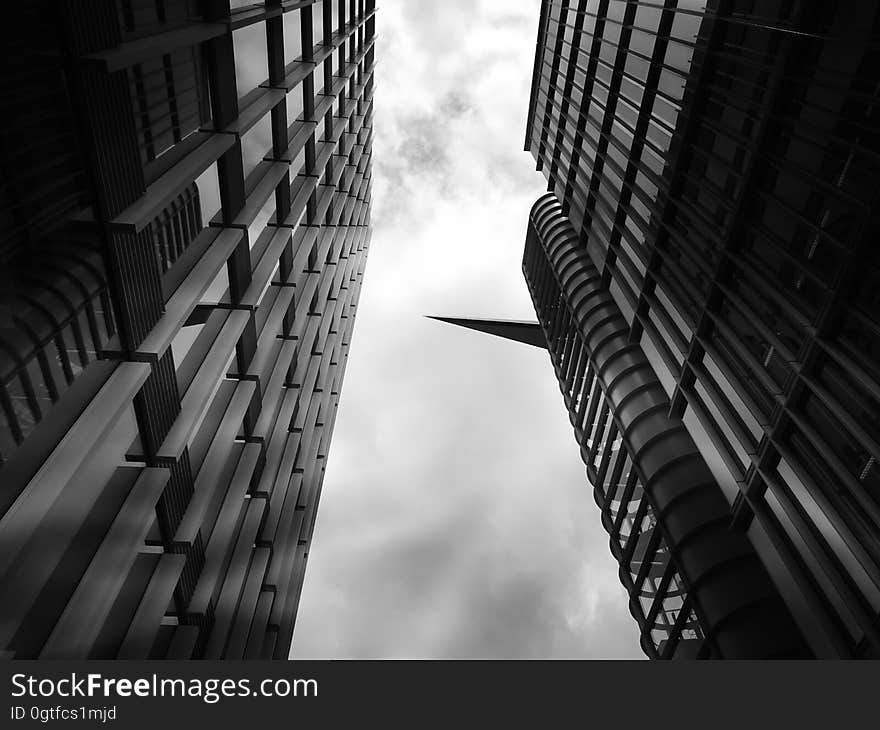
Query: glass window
(679,56)
(218,291)
(686,26)
(294,102)
(642,42)
(822,516)
(292,36)
(632,92)
(251,64)
(209,193)
(296,167)
(259,223)
(336,19)
(256,144)
(648,17)
(318,22)
(671,84)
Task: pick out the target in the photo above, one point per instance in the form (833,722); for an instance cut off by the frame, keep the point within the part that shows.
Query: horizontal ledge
(139,214)
(142,49)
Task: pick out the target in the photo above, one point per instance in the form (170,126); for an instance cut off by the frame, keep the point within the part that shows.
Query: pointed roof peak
(528,333)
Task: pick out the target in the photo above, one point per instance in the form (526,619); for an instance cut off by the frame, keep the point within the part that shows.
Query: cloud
(455,518)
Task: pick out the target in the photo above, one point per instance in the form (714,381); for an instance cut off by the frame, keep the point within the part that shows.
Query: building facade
(706,276)
(184,225)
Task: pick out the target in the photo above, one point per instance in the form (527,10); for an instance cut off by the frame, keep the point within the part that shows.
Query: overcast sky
(455,518)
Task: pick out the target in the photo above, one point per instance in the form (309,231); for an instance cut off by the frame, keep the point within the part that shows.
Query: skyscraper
(185,220)
(704,275)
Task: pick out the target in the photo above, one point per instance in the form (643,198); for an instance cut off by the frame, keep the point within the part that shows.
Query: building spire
(528,333)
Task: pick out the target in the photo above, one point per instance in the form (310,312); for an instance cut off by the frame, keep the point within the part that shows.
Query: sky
(455,519)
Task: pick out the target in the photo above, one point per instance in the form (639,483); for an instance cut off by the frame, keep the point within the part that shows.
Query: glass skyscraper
(185,224)
(706,274)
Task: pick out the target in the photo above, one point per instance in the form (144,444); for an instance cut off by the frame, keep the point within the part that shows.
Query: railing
(56,320)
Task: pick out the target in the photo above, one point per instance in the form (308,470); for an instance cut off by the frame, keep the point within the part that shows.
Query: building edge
(739,609)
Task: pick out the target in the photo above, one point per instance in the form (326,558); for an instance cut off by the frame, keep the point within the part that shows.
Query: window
(318,22)
(251,66)
(292,36)
(256,143)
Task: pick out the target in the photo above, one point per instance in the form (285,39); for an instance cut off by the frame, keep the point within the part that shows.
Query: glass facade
(173,352)
(666,517)
(718,163)
(647,572)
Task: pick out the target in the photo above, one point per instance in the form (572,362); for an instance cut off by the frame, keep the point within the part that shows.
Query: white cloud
(455,519)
